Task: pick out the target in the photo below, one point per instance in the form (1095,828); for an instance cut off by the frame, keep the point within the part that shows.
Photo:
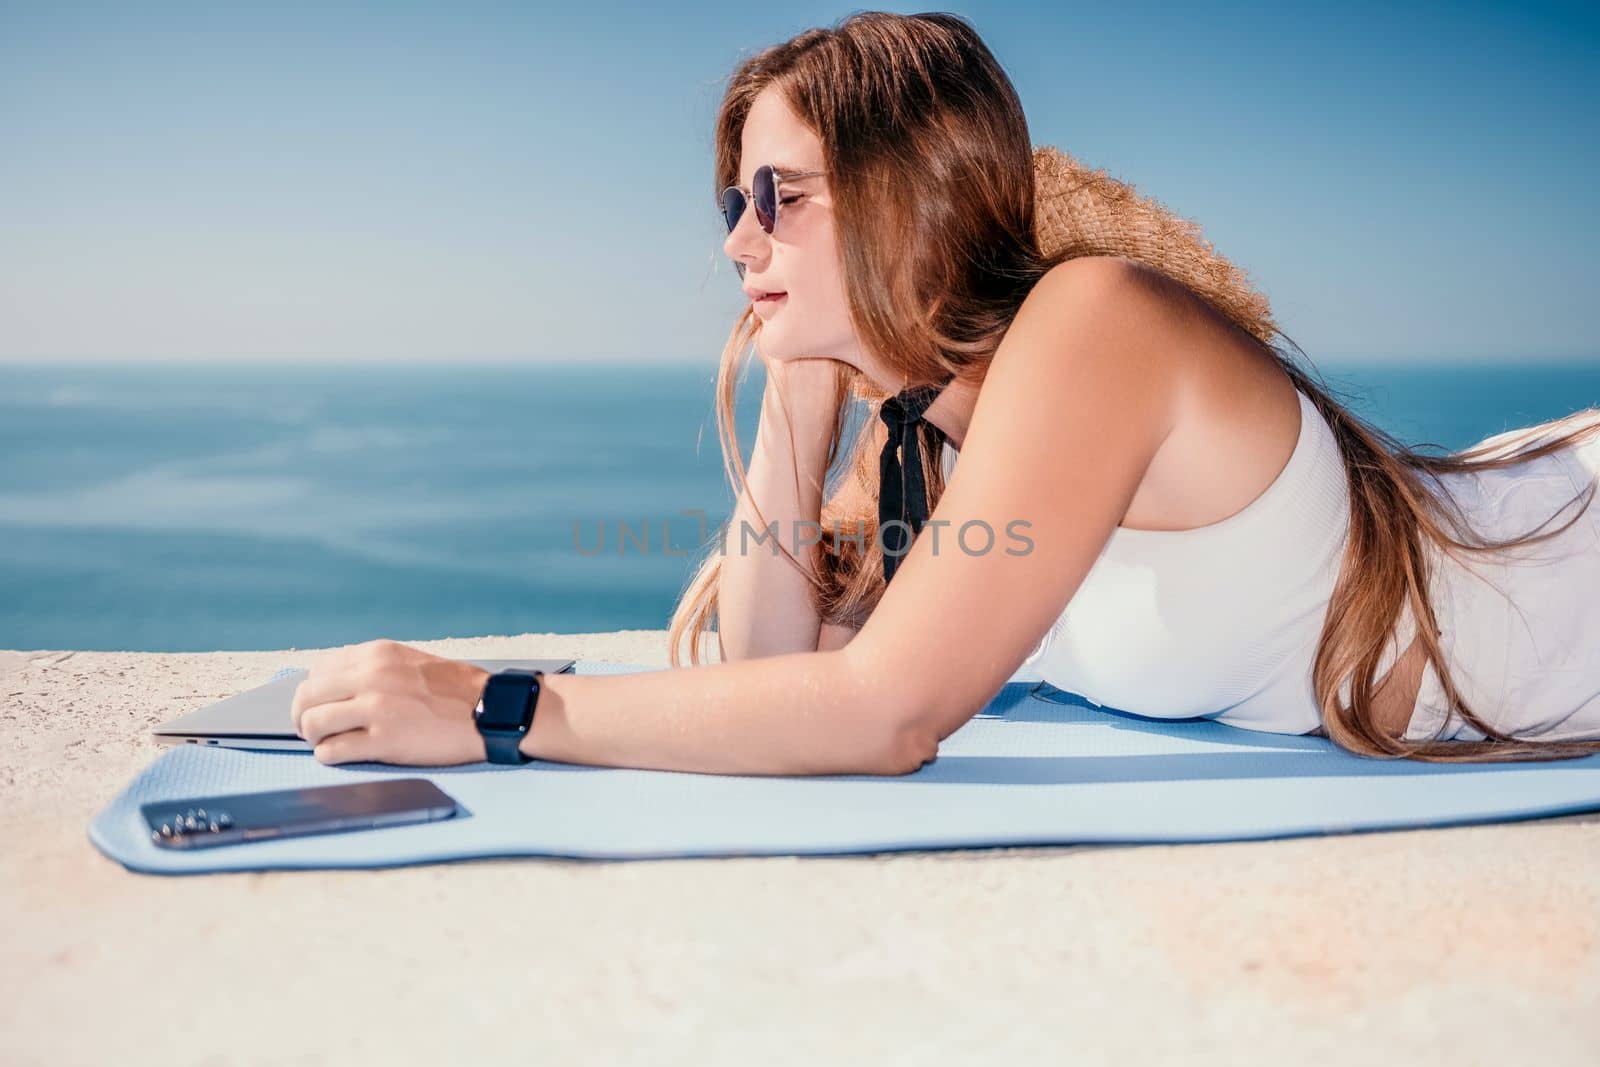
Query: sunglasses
(763,194)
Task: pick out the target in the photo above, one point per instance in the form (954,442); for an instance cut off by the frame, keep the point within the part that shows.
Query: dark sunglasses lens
(732,206)
(765,187)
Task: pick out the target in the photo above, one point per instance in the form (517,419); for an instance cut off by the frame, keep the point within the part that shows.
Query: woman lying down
(1089,456)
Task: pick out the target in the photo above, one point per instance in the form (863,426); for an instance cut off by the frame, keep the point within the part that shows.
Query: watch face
(505,702)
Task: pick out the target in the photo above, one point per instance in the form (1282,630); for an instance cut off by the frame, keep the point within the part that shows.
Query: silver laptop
(259,717)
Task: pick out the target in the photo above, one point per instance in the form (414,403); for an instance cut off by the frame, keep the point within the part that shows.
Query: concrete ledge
(1469,944)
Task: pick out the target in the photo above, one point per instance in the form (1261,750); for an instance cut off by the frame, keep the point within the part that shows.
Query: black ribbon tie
(902,489)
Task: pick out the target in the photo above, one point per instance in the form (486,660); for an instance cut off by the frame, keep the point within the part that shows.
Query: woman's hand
(821,371)
(385,702)
(811,390)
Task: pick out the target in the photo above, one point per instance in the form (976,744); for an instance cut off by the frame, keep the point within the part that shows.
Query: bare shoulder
(1139,281)
(1144,306)
(1104,268)
(1114,271)
(1164,301)
(1235,415)
(1123,319)
(1094,342)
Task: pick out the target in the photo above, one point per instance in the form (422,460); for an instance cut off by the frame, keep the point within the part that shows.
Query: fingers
(325,720)
(352,746)
(338,675)
(322,687)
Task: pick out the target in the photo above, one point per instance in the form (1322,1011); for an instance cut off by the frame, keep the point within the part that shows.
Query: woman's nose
(747,238)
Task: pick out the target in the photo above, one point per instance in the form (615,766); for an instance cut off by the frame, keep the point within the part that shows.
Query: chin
(779,346)
(775,346)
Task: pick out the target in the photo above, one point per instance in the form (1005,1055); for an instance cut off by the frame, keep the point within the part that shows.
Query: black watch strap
(504,748)
(504,713)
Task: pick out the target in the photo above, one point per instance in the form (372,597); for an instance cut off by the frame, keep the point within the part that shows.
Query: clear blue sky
(491,181)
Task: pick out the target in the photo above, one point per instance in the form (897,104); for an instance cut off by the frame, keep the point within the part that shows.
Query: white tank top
(1220,621)
(1520,627)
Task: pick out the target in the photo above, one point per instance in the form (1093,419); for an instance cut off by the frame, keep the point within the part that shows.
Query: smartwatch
(504,713)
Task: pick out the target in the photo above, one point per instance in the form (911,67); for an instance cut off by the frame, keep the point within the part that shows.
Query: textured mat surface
(1029,770)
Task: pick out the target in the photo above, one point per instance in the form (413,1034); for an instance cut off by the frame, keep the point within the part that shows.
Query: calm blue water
(170,507)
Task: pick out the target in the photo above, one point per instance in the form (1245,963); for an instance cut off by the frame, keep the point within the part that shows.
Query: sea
(182,506)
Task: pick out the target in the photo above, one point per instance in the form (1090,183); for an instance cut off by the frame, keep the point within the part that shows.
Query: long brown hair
(933,185)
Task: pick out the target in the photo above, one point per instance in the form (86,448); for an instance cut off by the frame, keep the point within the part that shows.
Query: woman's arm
(1077,400)
(799,713)
(794,713)
(764,605)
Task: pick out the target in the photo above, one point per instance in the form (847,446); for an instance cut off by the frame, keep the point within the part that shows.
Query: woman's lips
(770,298)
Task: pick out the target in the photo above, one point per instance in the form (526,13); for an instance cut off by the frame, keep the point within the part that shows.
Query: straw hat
(1089,213)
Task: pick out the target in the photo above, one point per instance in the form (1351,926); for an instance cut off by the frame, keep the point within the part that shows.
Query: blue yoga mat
(1028,770)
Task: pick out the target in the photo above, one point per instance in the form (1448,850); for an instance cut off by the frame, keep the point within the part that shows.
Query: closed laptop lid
(263,712)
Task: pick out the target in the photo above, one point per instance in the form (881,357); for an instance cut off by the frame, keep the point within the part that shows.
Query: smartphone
(209,821)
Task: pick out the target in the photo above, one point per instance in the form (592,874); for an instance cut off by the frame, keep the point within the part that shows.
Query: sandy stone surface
(1452,946)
